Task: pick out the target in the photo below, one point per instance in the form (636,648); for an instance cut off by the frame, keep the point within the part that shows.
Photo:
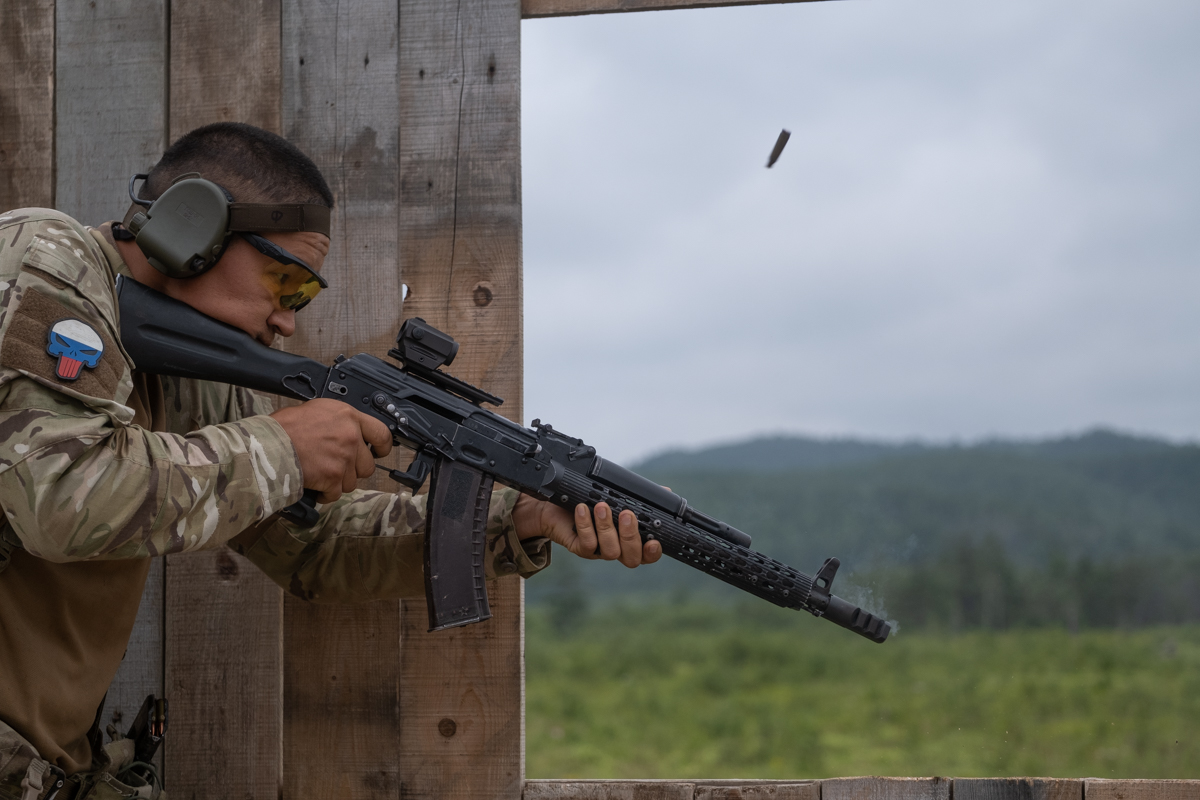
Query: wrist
(526,517)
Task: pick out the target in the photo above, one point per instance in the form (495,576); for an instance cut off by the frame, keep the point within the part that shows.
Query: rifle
(464,448)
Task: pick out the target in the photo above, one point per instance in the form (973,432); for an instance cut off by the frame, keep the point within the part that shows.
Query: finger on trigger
(375,434)
(365,462)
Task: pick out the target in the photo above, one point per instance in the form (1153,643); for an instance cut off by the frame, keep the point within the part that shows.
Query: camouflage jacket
(78,480)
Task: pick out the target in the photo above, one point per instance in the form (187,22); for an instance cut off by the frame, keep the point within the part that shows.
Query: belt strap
(41,775)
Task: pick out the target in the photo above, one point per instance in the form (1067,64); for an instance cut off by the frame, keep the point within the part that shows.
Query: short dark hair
(253,165)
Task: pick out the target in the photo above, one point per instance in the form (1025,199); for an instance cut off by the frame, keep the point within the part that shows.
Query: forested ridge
(1096,530)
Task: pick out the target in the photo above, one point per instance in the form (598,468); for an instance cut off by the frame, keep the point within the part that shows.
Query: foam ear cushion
(186,230)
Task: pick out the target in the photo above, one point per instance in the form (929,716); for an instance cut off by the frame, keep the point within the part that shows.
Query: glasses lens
(294,286)
(293,281)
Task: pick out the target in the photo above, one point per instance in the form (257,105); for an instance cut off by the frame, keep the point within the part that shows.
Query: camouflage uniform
(102,472)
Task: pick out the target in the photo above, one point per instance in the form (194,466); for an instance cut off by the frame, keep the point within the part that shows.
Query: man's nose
(283,322)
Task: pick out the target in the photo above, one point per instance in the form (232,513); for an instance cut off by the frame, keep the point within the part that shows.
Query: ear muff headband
(186,230)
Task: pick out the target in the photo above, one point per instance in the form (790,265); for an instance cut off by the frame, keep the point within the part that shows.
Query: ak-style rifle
(465,448)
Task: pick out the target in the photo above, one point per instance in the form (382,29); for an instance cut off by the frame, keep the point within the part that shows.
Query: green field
(684,691)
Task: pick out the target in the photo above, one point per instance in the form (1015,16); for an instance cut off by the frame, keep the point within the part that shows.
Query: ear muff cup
(184,232)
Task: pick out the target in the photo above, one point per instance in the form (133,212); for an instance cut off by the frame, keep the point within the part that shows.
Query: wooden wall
(412,110)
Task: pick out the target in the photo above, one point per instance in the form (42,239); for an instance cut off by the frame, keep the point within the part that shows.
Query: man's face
(243,288)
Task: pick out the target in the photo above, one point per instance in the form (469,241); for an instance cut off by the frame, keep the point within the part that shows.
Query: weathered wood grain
(223,667)
(110,102)
(1017,789)
(574,8)
(461,184)
(341,106)
(27,104)
(224,619)
(224,63)
(460,245)
(341,700)
(110,110)
(885,789)
(758,790)
(609,790)
(1141,790)
(462,703)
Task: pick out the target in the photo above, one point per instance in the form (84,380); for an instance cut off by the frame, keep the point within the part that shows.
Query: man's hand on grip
(336,444)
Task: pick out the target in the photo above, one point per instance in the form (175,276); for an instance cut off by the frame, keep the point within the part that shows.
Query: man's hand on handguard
(334,443)
(582,534)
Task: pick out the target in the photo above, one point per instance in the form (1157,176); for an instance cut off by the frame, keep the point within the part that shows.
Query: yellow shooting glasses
(295,288)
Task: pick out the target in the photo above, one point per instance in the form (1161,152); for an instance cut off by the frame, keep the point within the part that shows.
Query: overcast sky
(985,222)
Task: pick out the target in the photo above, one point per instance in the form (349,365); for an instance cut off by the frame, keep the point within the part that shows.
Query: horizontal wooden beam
(531,9)
(867,789)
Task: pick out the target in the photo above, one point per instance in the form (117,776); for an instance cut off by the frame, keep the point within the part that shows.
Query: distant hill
(775,454)
(781,452)
(1101,496)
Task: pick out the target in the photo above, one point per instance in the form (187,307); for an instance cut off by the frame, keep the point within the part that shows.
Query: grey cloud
(983,222)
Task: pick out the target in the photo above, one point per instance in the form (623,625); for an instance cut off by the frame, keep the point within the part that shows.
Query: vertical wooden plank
(460,245)
(1017,789)
(224,63)
(110,102)
(27,104)
(223,667)
(224,619)
(341,106)
(110,105)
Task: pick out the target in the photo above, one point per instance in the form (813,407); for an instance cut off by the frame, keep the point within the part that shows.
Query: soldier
(103,467)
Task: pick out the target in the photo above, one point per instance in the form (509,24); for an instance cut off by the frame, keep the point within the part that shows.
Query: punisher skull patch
(76,344)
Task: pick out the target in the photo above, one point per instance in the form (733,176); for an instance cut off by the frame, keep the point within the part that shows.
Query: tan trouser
(25,775)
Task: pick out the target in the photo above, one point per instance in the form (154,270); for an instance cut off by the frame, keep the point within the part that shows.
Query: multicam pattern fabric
(371,546)
(77,480)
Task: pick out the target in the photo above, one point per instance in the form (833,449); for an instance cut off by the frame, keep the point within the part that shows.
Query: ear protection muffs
(186,230)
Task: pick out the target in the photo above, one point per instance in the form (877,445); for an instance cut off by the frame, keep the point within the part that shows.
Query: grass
(685,691)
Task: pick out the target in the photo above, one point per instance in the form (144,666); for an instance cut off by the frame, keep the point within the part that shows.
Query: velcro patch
(28,346)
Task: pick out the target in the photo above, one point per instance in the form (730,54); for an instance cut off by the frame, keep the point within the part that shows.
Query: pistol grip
(303,511)
(455,531)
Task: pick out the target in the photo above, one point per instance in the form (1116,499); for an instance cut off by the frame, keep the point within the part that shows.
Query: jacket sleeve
(76,485)
(77,479)
(370,546)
